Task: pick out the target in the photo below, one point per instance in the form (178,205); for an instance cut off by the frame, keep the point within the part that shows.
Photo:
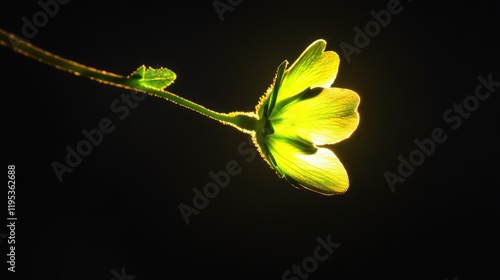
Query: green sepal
(276,87)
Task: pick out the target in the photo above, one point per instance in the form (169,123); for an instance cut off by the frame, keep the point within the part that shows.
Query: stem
(244,121)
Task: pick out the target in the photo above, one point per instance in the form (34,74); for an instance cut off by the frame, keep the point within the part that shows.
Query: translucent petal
(321,172)
(313,68)
(321,115)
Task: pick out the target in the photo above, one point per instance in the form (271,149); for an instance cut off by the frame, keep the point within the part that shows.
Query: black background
(119,207)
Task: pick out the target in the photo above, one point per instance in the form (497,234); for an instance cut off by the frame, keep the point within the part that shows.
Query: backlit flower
(299,114)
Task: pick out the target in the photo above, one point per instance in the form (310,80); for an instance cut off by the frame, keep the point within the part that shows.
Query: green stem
(244,121)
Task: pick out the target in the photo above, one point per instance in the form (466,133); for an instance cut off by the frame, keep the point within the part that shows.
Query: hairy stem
(244,121)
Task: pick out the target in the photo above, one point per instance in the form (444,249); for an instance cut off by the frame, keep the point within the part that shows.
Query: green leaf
(157,79)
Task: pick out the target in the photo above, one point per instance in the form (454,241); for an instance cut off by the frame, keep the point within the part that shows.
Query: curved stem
(244,121)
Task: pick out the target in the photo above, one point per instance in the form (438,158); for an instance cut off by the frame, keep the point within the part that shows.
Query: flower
(299,114)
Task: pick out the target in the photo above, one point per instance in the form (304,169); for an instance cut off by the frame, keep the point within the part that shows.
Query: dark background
(119,207)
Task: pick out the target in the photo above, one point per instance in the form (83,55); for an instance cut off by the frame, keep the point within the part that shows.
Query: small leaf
(157,79)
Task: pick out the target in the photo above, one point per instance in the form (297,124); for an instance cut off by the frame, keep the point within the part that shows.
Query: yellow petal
(313,68)
(322,116)
(321,172)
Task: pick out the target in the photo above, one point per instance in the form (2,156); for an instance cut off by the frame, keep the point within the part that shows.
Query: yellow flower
(295,120)
(300,114)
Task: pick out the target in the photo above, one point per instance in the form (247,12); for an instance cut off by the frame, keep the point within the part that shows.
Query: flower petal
(321,172)
(321,115)
(313,68)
